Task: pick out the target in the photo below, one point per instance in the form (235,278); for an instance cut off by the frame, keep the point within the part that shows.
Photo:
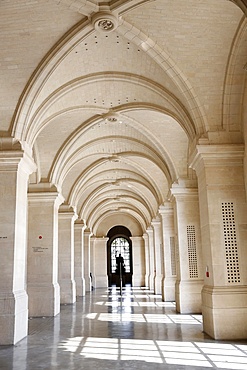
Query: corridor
(106,331)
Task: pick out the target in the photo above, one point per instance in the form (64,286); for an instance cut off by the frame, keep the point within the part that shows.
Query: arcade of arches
(123,115)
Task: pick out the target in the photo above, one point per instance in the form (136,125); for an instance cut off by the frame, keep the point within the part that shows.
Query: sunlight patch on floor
(199,354)
(152,318)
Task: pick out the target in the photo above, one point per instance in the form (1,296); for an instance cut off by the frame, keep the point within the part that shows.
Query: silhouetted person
(120,263)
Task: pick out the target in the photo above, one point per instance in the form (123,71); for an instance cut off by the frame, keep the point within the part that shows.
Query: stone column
(150,234)
(15,167)
(138,253)
(189,275)
(66,275)
(79,228)
(87,258)
(223,212)
(100,262)
(167,217)
(92,261)
(158,255)
(42,272)
(147,260)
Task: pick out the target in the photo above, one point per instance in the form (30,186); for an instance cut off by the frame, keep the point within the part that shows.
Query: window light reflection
(173,361)
(233,359)
(227,356)
(147,304)
(115,317)
(231,366)
(152,318)
(124,301)
(243,347)
(165,304)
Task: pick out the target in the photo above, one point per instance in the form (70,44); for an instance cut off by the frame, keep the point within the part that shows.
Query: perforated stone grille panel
(191,239)
(230,241)
(173,256)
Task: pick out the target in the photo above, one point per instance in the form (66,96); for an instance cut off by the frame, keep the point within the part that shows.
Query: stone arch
(233,88)
(24,112)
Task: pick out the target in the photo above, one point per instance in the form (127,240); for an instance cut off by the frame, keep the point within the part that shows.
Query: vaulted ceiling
(111,96)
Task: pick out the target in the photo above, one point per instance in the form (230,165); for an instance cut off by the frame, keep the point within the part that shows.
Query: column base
(100,281)
(80,287)
(13,317)
(224,312)
(188,296)
(138,280)
(67,291)
(83,287)
(88,285)
(168,289)
(44,299)
(151,282)
(147,280)
(158,284)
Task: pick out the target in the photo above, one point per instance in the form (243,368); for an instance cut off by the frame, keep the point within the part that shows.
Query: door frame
(113,278)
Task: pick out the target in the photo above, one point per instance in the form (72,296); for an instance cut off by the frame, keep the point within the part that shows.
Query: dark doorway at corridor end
(119,242)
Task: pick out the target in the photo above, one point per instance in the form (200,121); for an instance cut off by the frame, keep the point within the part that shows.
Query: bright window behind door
(120,246)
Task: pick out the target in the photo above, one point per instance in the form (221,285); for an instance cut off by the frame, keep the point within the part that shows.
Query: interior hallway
(106,331)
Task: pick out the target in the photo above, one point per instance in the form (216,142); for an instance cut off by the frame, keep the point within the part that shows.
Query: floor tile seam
(240,349)
(206,356)
(160,352)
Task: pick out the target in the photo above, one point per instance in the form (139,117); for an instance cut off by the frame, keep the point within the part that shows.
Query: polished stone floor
(107,331)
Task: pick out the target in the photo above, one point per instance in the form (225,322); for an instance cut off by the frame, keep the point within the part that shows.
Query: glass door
(120,246)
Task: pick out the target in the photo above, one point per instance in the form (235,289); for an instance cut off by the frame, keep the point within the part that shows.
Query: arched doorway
(119,242)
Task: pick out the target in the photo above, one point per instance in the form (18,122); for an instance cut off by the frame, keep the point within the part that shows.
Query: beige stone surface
(138,248)
(115,105)
(79,228)
(99,269)
(66,254)
(42,257)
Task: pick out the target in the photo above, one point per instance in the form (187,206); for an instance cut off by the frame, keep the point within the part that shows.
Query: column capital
(88,232)
(145,236)
(44,192)
(183,193)
(217,155)
(101,238)
(149,230)
(156,221)
(166,209)
(136,238)
(67,212)
(12,159)
(80,224)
